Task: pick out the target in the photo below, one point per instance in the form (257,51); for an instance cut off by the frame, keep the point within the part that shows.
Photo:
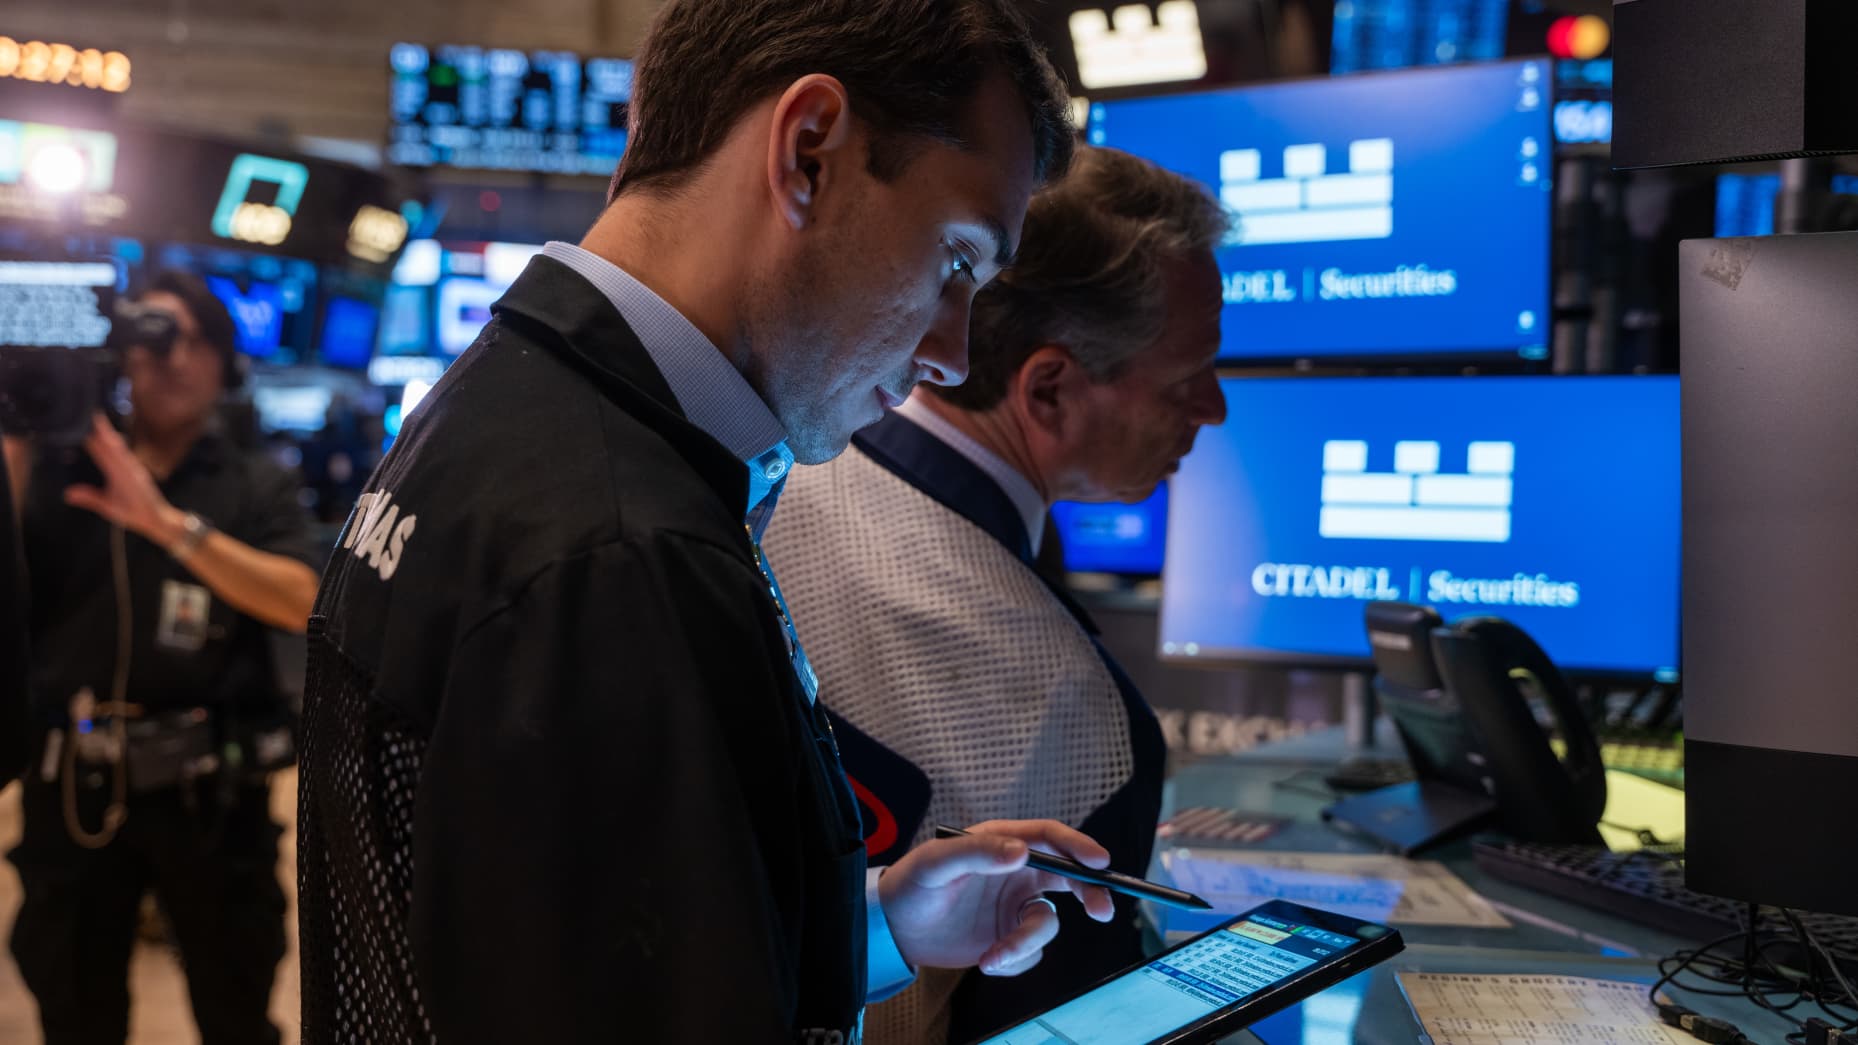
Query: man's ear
(1043,387)
(809,141)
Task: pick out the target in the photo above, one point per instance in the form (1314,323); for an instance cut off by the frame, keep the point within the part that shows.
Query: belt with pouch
(166,749)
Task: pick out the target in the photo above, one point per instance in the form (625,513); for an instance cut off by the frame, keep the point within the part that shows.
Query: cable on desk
(1756,976)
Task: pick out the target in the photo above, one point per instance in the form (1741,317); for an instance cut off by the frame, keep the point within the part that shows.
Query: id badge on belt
(184,615)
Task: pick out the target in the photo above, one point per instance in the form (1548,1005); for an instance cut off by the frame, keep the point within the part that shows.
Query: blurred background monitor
(463,307)
(1401,215)
(291,407)
(273,299)
(441,294)
(349,329)
(1551,501)
(257,310)
(505,109)
(1111,537)
(1395,34)
(1745,202)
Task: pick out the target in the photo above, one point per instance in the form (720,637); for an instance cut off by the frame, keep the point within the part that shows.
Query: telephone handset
(1487,661)
(1457,694)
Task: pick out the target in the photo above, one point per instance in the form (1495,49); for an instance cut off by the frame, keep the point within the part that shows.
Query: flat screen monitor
(1745,204)
(1549,501)
(257,313)
(1394,34)
(1584,101)
(1113,537)
(1383,216)
(405,321)
(498,108)
(463,309)
(292,408)
(349,327)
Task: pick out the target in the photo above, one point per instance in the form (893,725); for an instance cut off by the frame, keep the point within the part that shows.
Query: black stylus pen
(1114,881)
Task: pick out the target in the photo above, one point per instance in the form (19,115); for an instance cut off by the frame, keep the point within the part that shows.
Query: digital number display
(475,107)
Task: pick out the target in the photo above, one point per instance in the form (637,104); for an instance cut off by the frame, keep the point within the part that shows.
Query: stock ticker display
(474,107)
(1402,214)
(1551,501)
(1395,34)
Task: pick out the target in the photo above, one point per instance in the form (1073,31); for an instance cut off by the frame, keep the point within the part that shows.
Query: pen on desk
(1114,881)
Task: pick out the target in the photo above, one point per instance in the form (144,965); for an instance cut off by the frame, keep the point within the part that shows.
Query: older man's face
(1143,422)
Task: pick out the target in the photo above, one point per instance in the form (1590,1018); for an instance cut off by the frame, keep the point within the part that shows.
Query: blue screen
(1185,985)
(1584,101)
(1111,537)
(257,314)
(1550,501)
(348,332)
(1393,214)
(1393,34)
(1745,204)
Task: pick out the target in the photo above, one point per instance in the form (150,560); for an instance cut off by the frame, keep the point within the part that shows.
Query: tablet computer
(1218,983)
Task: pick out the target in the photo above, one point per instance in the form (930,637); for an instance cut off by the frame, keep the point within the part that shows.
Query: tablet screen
(1190,983)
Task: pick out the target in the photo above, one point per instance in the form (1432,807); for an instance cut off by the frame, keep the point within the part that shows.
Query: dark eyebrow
(1003,249)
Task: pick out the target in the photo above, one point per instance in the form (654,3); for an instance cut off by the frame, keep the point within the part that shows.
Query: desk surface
(1548,935)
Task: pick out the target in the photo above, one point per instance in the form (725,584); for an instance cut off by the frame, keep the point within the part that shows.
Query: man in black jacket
(564,777)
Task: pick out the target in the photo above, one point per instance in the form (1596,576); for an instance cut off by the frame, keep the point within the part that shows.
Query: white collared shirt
(1018,489)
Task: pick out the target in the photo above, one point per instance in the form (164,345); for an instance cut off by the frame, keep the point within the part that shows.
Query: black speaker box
(1719,81)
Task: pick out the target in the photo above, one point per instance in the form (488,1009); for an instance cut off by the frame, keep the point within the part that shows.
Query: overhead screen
(1550,501)
(1388,215)
(500,109)
(1394,34)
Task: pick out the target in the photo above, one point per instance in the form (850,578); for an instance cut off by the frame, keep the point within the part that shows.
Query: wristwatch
(194,530)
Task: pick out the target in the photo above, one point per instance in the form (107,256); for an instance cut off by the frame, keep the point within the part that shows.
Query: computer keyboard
(1645,887)
(1652,756)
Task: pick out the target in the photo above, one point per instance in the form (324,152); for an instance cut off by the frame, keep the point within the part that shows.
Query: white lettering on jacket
(378,532)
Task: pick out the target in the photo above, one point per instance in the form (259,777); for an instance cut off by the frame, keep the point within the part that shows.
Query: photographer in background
(160,713)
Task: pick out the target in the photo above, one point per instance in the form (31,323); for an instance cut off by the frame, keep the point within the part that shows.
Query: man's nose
(942,356)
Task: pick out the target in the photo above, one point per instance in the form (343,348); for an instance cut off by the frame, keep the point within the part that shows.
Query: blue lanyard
(796,654)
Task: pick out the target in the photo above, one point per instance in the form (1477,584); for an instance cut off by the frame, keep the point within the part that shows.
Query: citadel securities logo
(1415,502)
(1308,204)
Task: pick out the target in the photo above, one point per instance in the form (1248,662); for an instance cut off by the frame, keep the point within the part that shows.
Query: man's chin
(817,448)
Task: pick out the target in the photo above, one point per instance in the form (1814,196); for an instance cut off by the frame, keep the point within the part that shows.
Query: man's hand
(956,902)
(129,497)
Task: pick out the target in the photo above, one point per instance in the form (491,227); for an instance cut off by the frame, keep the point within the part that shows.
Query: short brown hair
(1089,274)
(910,66)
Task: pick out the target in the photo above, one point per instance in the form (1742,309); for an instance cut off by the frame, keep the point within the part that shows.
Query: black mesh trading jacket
(559,783)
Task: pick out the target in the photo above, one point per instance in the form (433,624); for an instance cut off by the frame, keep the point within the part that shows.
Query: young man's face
(1137,427)
(879,299)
